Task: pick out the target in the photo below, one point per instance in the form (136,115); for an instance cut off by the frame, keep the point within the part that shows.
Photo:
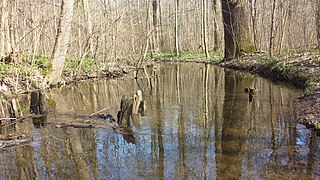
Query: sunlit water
(199,124)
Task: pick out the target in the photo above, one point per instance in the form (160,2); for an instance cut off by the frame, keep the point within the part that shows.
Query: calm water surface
(199,124)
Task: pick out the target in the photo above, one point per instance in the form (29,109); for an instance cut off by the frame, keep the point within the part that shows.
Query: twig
(7,119)
(98,112)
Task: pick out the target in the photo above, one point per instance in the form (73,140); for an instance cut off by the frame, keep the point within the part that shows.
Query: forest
(159,89)
(112,31)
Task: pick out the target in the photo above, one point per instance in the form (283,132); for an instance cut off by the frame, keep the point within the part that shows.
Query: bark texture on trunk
(236,30)
(229,33)
(61,43)
(318,23)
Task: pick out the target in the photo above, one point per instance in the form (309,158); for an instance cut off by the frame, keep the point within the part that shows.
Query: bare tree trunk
(176,28)
(204,21)
(6,47)
(155,25)
(271,29)
(161,28)
(13,25)
(236,29)
(215,26)
(62,42)
(89,23)
(2,27)
(254,19)
(318,23)
(229,36)
(283,26)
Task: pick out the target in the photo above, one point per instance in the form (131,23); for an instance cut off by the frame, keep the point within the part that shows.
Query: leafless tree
(114,32)
(204,26)
(271,28)
(61,42)
(176,27)
(318,23)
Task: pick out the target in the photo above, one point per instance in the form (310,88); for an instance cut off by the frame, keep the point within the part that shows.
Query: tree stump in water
(250,92)
(130,108)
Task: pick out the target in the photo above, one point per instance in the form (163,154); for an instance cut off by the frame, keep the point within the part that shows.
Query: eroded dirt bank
(16,82)
(299,69)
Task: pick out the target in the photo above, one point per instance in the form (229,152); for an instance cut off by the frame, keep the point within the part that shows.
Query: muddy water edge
(199,123)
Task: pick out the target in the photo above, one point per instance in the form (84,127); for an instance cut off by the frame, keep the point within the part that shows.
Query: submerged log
(130,108)
(83,122)
(103,117)
(21,140)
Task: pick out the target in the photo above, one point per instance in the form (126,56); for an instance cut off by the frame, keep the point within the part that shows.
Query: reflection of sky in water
(303,143)
(196,135)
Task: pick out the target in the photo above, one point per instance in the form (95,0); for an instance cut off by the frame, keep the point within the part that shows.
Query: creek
(198,124)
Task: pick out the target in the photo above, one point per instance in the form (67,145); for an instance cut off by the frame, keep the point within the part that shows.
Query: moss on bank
(185,56)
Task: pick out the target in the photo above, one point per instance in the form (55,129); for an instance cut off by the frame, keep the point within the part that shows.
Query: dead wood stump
(130,108)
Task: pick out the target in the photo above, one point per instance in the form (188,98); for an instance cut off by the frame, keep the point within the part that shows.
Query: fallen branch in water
(98,112)
(80,123)
(15,142)
(8,119)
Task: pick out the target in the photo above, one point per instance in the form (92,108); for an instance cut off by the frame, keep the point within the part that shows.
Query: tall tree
(204,26)
(7,39)
(236,29)
(87,12)
(229,37)
(216,18)
(61,42)
(318,23)
(271,28)
(3,24)
(253,13)
(155,36)
(176,28)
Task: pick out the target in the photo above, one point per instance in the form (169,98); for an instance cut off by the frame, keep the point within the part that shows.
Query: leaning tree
(61,42)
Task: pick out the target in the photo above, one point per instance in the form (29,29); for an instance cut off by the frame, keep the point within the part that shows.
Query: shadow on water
(199,124)
(37,108)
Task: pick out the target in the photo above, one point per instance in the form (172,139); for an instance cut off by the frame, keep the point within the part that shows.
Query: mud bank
(301,70)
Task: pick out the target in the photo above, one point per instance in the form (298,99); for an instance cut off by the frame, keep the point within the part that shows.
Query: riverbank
(300,69)
(29,76)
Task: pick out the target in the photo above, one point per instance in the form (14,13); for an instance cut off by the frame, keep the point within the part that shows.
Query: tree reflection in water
(198,124)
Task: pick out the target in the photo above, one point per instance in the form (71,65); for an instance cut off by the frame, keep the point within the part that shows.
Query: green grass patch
(183,55)
(5,69)
(87,63)
(273,61)
(39,61)
(43,61)
(160,55)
